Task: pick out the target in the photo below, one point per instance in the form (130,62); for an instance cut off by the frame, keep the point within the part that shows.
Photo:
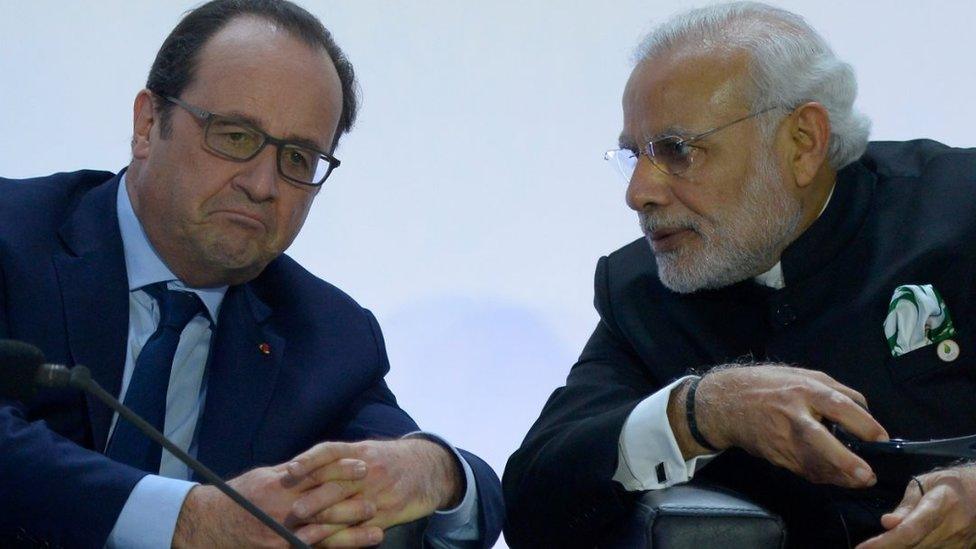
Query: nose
(259,180)
(648,186)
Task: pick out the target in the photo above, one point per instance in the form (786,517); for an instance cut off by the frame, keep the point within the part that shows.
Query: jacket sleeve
(52,491)
(558,485)
(4,329)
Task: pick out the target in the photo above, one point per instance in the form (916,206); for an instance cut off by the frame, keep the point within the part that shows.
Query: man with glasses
(169,282)
(784,263)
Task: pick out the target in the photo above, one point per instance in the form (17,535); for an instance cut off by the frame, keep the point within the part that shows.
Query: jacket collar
(823,241)
(92,277)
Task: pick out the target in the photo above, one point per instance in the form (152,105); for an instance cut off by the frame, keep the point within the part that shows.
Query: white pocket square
(917,316)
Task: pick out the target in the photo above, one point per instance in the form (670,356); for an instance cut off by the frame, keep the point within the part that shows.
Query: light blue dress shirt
(148,518)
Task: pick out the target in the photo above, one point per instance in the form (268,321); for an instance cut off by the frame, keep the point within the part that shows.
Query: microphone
(24,370)
(22,363)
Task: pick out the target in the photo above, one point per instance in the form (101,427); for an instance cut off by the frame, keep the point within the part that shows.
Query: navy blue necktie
(146,394)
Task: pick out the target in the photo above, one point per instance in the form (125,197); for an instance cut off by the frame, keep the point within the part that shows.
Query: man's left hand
(406,479)
(943,516)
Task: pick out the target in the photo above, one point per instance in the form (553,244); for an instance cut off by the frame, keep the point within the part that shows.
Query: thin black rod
(84,382)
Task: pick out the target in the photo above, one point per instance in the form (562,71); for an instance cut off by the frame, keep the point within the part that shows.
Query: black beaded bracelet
(690,416)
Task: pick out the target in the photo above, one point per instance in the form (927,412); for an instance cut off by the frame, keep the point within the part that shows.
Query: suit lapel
(94,291)
(244,365)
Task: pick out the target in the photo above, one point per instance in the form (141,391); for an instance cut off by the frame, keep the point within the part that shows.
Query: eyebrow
(299,140)
(674,131)
(625,142)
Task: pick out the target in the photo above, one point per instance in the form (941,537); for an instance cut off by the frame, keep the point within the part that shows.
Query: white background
(472,202)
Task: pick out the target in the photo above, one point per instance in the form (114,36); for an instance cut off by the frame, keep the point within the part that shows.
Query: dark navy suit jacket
(63,287)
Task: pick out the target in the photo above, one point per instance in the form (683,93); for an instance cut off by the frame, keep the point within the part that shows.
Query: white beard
(744,241)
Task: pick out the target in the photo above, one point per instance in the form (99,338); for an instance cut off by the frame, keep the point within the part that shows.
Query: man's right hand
(776,412)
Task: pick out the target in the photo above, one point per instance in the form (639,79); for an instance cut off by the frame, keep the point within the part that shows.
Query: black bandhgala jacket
(905,213)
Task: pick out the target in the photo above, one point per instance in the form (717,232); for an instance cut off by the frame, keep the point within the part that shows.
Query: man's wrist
(189,526)
(447,472)
(706,405)
(678,418)
(452,478)
(690,413)
(679,423)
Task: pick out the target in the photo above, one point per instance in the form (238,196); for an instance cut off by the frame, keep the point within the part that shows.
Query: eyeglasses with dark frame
(671,154)
(240,141)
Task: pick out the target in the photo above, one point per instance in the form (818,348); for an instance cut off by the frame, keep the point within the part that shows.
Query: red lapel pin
(265,349)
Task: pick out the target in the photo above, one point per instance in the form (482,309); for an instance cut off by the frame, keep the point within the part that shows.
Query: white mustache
(653,222)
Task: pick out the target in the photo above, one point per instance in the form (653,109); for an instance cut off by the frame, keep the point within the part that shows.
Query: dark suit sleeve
(4,329)
(376,415)
(558,486)
(53,491)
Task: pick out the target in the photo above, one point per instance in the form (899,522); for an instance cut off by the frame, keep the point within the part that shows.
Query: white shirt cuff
(461,522)
(648,454)
(148,518)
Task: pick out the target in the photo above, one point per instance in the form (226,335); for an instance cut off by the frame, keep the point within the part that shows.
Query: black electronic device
(952,448)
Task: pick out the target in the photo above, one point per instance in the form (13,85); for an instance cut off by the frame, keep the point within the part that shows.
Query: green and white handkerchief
(917,316)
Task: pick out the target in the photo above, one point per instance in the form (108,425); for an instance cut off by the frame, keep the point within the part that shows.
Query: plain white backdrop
(473,201)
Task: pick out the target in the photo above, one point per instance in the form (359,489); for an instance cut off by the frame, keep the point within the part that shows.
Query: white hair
(790,64)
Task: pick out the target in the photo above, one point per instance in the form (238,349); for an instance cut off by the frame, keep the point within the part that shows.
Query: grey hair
(790,64)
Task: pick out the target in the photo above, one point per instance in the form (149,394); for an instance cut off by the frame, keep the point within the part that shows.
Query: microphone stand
(81,379)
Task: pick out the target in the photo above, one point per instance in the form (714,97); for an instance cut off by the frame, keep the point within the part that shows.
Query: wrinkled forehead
(684,92)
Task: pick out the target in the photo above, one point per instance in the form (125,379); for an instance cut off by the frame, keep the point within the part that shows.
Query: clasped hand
(333,495)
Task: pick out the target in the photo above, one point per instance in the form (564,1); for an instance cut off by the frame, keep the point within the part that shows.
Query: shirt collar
(773,278)
(143,266)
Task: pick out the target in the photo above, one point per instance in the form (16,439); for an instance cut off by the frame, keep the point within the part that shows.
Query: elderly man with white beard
(792,276)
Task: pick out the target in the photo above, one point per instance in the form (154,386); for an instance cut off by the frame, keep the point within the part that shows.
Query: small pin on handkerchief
(918,316)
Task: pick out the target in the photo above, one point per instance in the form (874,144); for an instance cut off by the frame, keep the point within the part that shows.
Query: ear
(143,122)
(809,128)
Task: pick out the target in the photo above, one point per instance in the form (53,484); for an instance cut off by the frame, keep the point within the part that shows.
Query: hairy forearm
(707,401)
